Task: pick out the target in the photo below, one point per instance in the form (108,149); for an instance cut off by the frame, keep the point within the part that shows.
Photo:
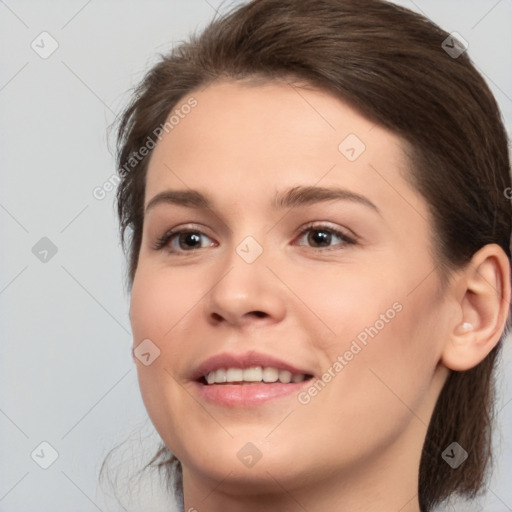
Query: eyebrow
(291,198)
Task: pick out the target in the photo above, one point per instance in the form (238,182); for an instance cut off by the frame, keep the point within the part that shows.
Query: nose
(247,293)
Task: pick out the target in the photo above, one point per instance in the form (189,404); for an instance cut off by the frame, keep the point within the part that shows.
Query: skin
(356,445)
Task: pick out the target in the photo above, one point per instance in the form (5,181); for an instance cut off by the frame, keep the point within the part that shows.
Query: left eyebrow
(300,196)
(291,198)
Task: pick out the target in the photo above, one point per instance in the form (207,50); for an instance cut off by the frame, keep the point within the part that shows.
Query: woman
(319,259)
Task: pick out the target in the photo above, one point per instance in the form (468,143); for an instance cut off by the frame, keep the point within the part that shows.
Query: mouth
(247,380)
(252,375)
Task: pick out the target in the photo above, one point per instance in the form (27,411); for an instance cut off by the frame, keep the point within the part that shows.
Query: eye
(322,236)
(183,241)
(316,236)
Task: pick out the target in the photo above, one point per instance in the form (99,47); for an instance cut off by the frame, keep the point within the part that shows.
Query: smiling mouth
(252,375)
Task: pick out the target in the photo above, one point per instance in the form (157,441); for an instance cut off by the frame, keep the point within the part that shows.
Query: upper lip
(246,360)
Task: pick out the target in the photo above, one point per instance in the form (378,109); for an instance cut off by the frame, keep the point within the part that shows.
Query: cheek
(154,311)
(378,389)
(381,341)
(158,306)
(159,301)
(341,302)
(390,360)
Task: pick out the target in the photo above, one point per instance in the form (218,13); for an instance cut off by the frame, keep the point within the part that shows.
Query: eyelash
(167,237)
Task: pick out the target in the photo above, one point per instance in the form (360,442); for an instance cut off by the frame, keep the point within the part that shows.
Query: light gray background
(66,372)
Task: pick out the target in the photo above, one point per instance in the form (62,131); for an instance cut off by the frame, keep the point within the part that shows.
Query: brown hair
(388,63)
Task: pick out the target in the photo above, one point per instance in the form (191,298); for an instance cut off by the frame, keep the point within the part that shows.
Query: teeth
(253,374)
(270,374)
(220,376)
(285,376)
(234,375)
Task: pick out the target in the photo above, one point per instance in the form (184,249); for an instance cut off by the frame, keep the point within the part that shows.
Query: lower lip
(248,395)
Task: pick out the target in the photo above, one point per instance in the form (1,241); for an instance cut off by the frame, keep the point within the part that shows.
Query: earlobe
(484,304)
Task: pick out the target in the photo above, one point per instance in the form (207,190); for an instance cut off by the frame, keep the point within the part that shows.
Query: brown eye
(324,237)
(189,240)
(183,241)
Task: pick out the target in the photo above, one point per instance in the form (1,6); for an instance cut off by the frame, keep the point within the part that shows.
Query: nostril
(219,318)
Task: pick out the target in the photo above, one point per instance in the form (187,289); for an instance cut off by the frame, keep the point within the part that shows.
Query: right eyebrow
(189,198)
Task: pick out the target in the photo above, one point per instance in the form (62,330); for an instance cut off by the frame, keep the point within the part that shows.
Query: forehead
(259,138)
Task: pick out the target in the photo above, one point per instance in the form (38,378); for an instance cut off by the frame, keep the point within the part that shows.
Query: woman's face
(313,255)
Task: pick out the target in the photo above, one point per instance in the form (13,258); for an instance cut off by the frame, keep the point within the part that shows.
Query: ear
(483,299)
